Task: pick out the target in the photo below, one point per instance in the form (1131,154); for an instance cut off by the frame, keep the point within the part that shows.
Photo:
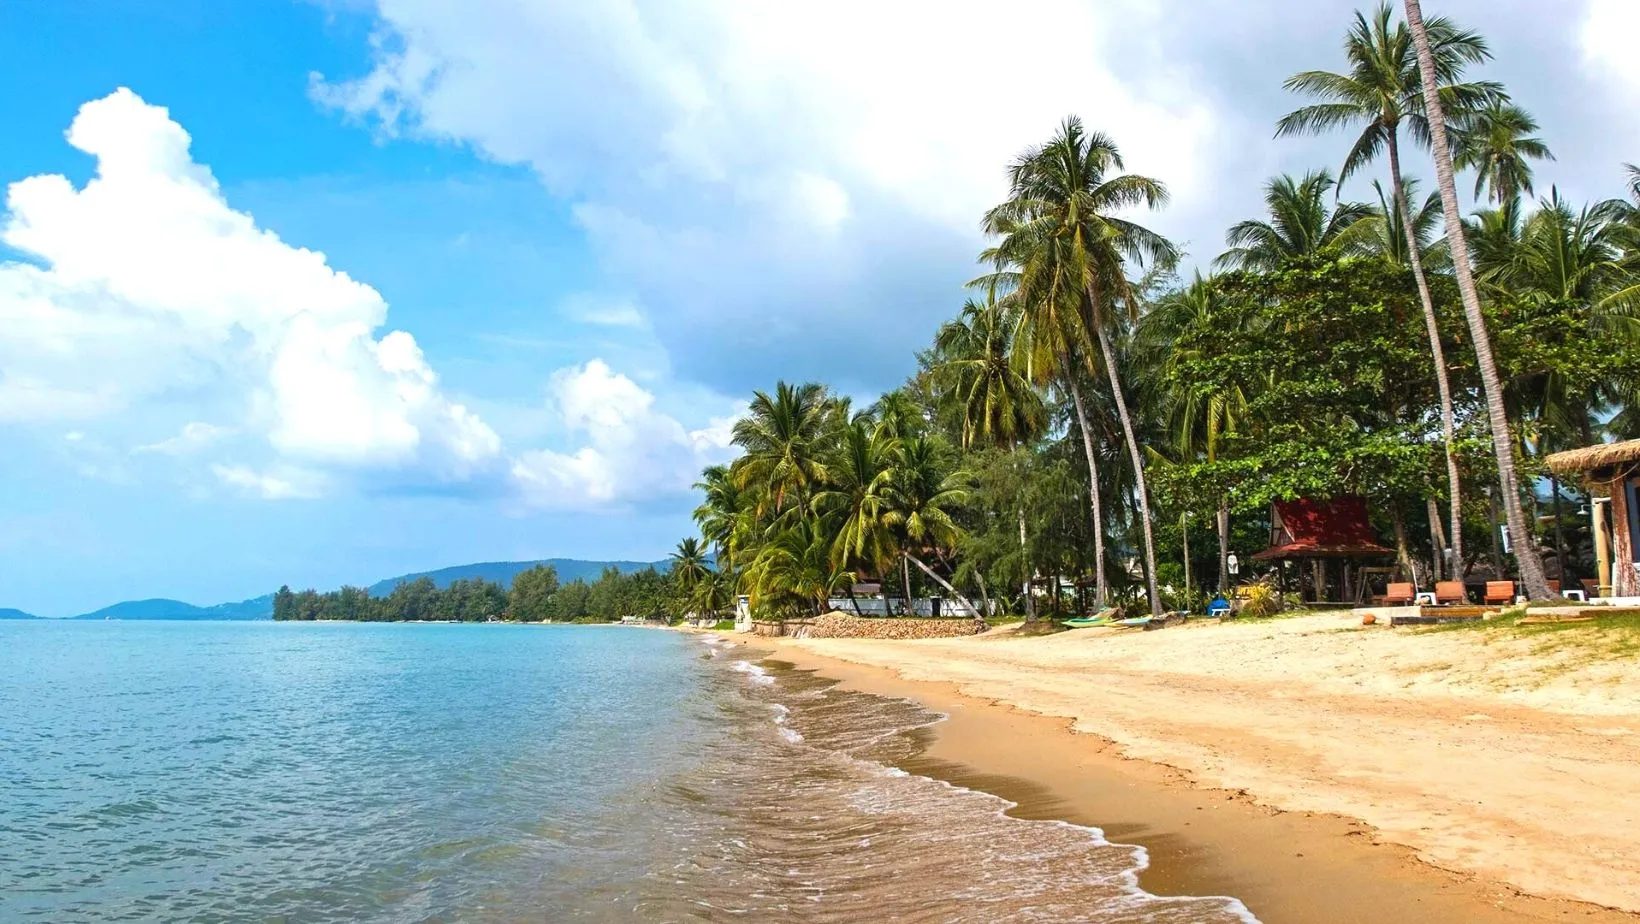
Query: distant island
(15,614)
(532,593)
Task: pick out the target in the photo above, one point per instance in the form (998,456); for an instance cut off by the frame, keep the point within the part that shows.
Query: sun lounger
(1500,592)
(1448,593)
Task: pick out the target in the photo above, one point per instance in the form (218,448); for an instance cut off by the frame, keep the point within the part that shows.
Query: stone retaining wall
(847,625)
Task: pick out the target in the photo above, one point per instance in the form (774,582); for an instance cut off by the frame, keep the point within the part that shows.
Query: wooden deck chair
(1399,594)
(1448,593)
(1500,592)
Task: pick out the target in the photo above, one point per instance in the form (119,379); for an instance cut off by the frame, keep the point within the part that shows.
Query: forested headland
(535,595)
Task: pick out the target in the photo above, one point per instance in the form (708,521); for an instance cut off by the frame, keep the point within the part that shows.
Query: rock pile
(847,625)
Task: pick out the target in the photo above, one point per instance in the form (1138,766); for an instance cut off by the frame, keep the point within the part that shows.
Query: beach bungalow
(1611,474)
(1325,534)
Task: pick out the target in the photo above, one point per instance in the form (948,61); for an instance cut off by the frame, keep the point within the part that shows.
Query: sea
(314,772)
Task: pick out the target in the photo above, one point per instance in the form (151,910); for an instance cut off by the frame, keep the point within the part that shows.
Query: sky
(323,292)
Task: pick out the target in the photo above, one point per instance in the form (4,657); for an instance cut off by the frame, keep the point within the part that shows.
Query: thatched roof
(1589,458)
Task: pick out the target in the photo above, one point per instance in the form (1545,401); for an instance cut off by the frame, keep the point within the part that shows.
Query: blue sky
(560,244)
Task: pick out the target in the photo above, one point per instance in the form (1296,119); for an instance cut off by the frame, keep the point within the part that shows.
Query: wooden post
(1602,546)
(1623,577)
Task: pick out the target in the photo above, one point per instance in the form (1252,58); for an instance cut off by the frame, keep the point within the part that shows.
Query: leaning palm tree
(1301,226)
(1496,142)
(921,500)
(1427,39)
(1062,229)
(1381,91)
(724,516)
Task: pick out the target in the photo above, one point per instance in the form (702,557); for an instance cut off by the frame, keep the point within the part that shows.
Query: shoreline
(1286,866)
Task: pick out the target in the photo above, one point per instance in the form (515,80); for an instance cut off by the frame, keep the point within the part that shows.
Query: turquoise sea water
(302,772)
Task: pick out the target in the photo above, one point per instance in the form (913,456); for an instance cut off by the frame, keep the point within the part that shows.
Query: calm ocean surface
(155,771)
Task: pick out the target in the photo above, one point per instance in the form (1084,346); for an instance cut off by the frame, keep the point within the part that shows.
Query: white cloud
(145,282)
(1607,34)
(288,485)
(749,170)
(195,436)
(631,453)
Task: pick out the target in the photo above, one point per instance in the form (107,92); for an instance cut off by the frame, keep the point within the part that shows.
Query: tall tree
(689,565)
(1496,142)
(1301,226)
(1064,231)
(1381,91)
(995,402)
(781,437)
(1431,72)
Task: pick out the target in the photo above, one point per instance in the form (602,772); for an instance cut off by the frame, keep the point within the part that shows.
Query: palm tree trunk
(1531,567)
(1093,489)
(1403,557)
(1138,467)
(906,607)
(1030,599)
(1432,328)
(980,618)
(1437,541)
(1184,540)
(1224,545)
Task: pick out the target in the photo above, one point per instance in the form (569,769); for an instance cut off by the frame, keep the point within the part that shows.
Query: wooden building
(1611,474)
(1334,537)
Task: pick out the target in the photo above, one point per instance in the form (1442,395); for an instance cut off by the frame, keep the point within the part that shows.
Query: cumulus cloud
(195,436)
(631,452)
(773,181)
(145,283)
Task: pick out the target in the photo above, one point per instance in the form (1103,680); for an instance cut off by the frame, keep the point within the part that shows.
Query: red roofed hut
(1324,532)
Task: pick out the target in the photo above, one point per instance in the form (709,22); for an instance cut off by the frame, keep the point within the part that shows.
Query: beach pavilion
(1324,533)
(1611,473)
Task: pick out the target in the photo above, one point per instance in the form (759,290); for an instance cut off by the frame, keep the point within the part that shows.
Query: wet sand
(1286,865)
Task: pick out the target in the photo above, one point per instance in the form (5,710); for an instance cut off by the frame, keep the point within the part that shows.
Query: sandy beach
(1314,768)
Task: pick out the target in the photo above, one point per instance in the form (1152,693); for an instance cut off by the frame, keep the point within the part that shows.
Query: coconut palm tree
(1427,39)
(724,516)
(1381,91)
(689,564)
(782,440)
(922,496)
(1301,226)
(1061,228)
(1496,142)
(995,402)
(853,503)
(1389,239)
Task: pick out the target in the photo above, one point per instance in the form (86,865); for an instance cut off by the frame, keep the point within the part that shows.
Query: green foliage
(531,597)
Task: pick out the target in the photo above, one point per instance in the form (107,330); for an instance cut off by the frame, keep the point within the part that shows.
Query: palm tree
(689,564)
(781,437)
(724,516)
(995,402)
(1389,239)
(854,501)
(922,495)
(1301,226)
(1496,142)
(1061,229)
(1381,91)
(1431,72)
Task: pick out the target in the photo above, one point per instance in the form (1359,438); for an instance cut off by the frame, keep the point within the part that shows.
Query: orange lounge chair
(1554,587)
(1591,588)
(1500,592)
(1399,595)
(1448,593)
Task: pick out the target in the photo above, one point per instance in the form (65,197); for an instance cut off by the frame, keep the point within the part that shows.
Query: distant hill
(16,614)
(258,608)
(502,572)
